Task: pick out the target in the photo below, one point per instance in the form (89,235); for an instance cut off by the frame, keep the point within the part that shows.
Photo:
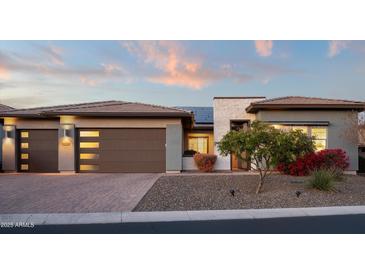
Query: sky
(177,73)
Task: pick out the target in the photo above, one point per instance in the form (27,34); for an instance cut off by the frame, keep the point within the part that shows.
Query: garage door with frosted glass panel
(38,150)
(122,150)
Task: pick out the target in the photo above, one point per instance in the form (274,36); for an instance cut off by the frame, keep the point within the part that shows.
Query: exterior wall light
(7,134)
(66,132)
(7,131)
(66,137)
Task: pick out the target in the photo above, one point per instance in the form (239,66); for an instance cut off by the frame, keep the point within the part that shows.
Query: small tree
(265,147)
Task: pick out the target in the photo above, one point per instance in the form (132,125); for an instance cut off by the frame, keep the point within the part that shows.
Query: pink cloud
(264,47)
(336,46)
(112,68)
(4,73)
(88,81)
(175,66)
(54,54)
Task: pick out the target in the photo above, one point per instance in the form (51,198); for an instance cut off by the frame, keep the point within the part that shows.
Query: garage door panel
(132,167)
(132,155)
(132,145)
(39,166)
(124,150)
(38,150)
(39,157)
(37,135)
(41,146)
(138,134)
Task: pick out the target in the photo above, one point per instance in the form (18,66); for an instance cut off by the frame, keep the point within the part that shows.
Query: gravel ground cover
(214,192)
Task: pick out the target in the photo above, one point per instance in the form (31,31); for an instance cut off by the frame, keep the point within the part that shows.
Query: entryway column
(66,148)
(174,142)
(9,148)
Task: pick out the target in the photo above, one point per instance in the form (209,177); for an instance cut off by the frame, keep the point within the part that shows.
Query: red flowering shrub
(205,162)
(324,159)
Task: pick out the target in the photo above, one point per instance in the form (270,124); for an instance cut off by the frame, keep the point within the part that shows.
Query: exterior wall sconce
(7,131)
(66,137)
(8,134)
(66,132)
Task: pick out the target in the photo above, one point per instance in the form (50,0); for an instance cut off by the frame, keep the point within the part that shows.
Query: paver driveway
(56,193)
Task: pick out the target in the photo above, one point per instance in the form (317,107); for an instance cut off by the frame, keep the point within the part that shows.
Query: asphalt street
(294,225)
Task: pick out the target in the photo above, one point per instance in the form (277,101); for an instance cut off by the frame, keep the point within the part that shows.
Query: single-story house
(117,136)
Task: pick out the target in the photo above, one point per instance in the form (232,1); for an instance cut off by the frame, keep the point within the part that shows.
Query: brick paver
(60,193)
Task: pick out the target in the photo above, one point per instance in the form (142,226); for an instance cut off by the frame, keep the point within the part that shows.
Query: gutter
(254,108)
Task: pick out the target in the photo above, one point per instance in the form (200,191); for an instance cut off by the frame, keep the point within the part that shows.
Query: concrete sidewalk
(172,216)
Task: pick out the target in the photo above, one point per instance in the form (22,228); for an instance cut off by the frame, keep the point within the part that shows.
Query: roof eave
(119,114)
(254,108)
(13,115)
(203,126)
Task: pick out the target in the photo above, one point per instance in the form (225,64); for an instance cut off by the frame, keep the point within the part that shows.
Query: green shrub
(322,179)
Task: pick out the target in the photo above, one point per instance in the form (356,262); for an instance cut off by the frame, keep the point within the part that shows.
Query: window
(301,128)
(93,133)
(24,134)
(281,127)
(89,144)
(24,145)
(24,156)
(88,167)
(319,135)
(24,167)
(198,144)
(89,156)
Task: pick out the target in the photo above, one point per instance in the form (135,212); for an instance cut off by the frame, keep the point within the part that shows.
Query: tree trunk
(259,186)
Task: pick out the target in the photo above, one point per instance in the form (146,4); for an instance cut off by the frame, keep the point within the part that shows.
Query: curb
(174,216)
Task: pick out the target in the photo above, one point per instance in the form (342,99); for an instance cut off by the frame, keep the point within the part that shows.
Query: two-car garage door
(121,150)
(97,150)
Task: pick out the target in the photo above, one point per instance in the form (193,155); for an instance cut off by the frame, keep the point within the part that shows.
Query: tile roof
(106,108)
(202,115)
(300,102)
(5,108)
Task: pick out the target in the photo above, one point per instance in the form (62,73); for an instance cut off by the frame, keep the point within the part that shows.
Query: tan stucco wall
(9,150)
(66,153)
(23,123)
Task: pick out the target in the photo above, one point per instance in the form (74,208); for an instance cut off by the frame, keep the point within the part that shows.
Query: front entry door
(238,164)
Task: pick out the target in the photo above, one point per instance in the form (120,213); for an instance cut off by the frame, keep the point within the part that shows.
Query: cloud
(265,72)
(52,66)
(88,81)
(24,101)
(264,47)
(55,54)
(4,73)
(112,68)
(175,67)
(336,46)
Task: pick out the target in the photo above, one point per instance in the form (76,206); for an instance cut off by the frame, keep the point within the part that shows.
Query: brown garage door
(122,150)
(38,150)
